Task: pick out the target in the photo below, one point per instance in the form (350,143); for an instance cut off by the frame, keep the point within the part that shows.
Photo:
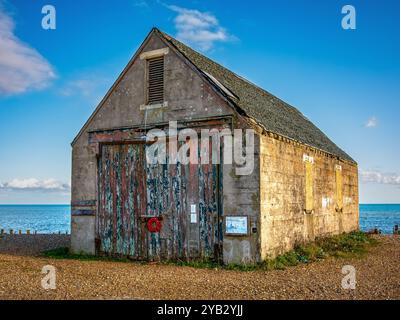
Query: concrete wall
(189,97)
(282,196)
(241,197)
(83,234)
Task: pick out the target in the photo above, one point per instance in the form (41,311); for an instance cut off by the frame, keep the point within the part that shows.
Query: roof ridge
(274,114)
(270,112)
(264,91)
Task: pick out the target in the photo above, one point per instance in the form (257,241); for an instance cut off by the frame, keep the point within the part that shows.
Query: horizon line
(68,204)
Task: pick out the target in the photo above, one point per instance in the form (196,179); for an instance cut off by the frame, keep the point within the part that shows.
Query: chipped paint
(326,202)
(348,200)
(132,191)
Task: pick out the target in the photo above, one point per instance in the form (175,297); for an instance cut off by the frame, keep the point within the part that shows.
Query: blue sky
(346,81)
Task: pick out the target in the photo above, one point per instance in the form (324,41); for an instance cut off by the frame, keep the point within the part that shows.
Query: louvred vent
(156,80)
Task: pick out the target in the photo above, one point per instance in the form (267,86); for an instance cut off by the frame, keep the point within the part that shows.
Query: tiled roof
(269,111)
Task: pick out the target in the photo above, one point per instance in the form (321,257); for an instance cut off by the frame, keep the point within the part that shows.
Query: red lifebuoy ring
(154,225)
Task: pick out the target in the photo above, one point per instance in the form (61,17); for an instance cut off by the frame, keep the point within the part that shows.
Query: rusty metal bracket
(339,210)
(308,211)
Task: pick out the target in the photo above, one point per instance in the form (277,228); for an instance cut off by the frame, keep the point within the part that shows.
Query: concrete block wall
(241,197)
(83,234)
(282,196)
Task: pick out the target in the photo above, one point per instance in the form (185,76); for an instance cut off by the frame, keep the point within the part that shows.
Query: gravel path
(378,277)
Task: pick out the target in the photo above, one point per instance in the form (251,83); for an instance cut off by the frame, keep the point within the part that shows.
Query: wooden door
(122,202)
(131,192)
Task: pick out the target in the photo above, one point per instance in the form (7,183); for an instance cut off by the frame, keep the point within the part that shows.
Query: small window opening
(155,85)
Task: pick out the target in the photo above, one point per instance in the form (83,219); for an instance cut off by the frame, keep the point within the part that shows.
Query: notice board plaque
(236,225)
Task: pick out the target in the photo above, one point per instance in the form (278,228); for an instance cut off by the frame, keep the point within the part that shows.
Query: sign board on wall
(236,225)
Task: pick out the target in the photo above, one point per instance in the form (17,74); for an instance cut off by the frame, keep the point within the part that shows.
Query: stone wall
(284,221)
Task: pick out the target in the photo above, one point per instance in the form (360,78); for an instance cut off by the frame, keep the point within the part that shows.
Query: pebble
(21,265)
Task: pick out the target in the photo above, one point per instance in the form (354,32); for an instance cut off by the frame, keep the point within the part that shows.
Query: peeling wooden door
(131,192)
(122,202)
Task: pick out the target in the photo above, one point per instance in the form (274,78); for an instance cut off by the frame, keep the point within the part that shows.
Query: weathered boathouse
(301,185)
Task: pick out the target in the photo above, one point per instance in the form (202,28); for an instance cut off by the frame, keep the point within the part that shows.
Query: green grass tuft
(64,253)
(354,244)
(347,245)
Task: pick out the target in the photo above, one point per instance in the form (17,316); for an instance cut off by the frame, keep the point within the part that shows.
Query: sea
(56,218)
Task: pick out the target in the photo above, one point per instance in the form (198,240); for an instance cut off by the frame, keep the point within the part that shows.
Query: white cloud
(371,123)
(22,68)
(374,176)
(200,29)
(82,86)
(141,4)
(91,85)
(35,184)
